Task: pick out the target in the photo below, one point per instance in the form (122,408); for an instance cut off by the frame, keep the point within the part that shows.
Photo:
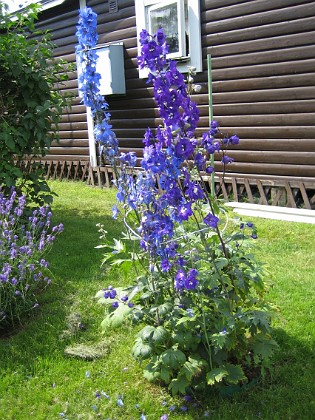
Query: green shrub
(30,102)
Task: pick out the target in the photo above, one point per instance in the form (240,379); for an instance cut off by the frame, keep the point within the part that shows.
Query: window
(171,17)
(15,5)
(180,20)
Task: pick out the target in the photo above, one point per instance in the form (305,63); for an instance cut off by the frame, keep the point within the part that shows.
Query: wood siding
(61,21)
(263,61)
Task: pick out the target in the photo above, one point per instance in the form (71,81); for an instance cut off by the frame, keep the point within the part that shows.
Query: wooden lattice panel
(288,192)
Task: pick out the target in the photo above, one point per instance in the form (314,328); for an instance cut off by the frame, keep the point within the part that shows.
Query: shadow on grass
(75,265)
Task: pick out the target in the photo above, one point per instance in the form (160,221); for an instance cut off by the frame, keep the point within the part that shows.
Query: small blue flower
(112,293)
(211,220)
(115,211)
(190,312)
(120,402)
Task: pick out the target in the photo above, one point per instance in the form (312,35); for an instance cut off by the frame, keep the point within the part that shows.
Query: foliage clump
(30,101)
(198,291)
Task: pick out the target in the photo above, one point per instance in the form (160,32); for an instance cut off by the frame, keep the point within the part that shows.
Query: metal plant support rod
(209,65)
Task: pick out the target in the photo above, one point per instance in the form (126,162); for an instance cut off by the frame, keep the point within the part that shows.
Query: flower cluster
(198,288)
(111,293)
(172,191)
(89,83)
(22,245)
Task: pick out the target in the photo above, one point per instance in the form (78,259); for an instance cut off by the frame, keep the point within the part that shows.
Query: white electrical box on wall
(110,65)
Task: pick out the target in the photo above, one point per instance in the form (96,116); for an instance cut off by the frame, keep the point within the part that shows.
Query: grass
(39,381)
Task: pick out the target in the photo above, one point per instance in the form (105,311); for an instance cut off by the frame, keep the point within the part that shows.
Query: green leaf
(264,346)
(179,385)
(119,246)
(165,308)
(221,263)
(152,334)
(10,142)
(188,370)
(152,370)
(218,340)
(165,374)
(142,350)
(186,339)
(185,319)
(146,333)
(122,261)
(235,374)
(160,335)
(193,367)
(216,375)
(173,359)
(115,319)
(151,374)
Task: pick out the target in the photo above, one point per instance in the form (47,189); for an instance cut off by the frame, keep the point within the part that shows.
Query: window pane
(167,18)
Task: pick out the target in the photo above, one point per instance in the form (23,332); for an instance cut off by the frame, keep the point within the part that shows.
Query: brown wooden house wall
(263,60)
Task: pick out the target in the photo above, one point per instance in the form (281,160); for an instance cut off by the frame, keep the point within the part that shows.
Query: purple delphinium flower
(180,279)
(191,281)
(22,244)
(211,220)
(226,160)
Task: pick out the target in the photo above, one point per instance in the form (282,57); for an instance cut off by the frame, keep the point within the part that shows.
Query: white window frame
(194,59)
(180,4)
(45,4)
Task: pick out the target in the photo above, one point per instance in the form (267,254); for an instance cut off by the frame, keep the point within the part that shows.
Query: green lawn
(39,381)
